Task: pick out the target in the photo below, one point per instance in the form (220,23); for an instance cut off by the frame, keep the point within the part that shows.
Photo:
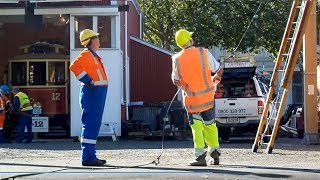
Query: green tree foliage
(217,22)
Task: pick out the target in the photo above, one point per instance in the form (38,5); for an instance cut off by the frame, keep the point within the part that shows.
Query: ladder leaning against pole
(285,63)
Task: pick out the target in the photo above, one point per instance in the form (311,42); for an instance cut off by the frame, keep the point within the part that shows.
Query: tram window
(37,73)
(56,73)
(18,73)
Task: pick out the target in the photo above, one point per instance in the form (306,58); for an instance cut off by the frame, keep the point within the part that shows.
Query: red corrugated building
(150,73)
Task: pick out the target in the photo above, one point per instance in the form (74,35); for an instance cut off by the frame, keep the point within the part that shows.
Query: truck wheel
(225,137)
(224,134)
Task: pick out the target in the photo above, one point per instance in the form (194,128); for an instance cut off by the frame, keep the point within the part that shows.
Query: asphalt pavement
(134,160)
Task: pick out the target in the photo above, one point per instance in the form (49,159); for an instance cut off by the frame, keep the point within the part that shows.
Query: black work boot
(199,161)
(214,158)
(102,160)
(92,163)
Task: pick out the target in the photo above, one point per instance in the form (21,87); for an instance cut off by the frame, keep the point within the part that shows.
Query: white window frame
(115,30)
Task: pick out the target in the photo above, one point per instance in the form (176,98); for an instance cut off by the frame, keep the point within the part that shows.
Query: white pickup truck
(239,101)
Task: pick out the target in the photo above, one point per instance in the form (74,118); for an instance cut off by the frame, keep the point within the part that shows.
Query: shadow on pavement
(222,169)
(157,170)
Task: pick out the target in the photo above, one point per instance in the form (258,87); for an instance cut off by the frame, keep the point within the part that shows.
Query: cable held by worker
(89,70)
(191,69)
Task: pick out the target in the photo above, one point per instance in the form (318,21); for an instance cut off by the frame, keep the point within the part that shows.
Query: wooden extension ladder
(285,63)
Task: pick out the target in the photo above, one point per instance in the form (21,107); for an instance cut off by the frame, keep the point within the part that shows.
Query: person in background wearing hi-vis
(88,69)
(23,107)
(191,69)
(4,104)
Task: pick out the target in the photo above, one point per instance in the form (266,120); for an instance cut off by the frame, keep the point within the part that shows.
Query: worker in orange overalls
(191,69)
(89,70)
(4,103)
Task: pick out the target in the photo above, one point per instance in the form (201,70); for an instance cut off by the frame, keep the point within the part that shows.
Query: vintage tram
(41,71)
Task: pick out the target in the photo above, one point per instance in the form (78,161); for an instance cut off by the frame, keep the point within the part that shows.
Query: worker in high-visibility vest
(191,69)
(4,103)
(23,107)
(89,70)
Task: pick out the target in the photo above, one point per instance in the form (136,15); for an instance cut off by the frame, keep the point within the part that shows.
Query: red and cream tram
(41,71)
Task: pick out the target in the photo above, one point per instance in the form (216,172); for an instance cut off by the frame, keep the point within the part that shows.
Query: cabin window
(56,73)
(81,23)
(19,73)
(104,25)
(37,73)
(107,30)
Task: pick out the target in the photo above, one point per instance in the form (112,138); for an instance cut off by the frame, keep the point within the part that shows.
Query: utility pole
(311,135)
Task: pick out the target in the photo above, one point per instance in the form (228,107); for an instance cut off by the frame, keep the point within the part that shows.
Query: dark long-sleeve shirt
(16,104)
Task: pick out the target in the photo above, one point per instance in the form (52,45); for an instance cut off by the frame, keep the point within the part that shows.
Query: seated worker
(247,93)
(220,91)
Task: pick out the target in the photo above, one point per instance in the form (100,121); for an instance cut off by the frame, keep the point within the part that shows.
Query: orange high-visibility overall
(3,102)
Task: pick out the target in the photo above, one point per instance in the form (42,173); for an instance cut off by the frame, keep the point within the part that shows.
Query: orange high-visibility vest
(88,64)
(3,102)
(195,77)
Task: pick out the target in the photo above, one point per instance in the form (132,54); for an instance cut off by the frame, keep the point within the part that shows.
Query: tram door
(108,27)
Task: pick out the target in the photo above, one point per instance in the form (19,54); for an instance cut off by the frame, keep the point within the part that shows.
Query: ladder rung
(289,38)
(267,135)
(285,54)
(298,7)
(295,22)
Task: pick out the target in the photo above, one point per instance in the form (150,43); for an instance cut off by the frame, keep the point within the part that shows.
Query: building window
(104,25)
(56,73)
(81,23)
(37,73)
(18,73)
(106,28)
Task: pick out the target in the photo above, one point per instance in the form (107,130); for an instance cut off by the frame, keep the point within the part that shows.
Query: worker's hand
(179,83)
(220,71)
(216,79)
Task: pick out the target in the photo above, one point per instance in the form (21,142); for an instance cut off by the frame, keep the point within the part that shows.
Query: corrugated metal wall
(150,71)
(146,114)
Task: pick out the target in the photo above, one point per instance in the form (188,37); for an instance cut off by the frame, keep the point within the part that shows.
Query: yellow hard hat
(182,37)
(86,35)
